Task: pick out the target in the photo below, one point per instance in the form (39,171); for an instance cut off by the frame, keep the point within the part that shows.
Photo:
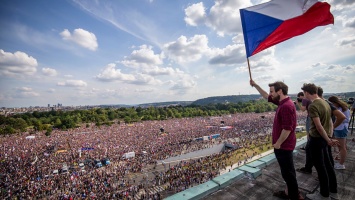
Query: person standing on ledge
(283,135)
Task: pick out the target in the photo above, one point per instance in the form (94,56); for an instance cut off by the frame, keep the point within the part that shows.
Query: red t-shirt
(285,118)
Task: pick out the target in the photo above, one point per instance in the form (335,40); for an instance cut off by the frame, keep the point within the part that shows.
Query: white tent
(30,137)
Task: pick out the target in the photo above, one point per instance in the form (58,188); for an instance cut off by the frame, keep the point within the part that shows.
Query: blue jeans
(322,162)
(285,160)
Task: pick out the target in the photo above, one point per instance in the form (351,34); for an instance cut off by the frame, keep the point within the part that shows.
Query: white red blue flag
(270,23)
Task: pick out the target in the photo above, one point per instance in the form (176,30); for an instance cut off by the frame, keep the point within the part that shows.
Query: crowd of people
(27,163)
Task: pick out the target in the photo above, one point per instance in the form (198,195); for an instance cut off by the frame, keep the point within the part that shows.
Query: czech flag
(270,23)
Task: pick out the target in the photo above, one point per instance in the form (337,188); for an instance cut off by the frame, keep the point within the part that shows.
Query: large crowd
(27,163)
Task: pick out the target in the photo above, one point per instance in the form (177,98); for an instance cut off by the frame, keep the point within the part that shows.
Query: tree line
(63,120)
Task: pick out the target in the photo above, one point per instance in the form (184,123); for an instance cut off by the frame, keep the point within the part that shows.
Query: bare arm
(331,128)
(282,138)
(322,132)
(339,118)
(260,90)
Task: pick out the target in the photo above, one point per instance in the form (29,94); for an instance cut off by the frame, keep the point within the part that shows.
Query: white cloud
(81,37)
(51,90)
(24,92)
(110,73)
(265,61)
(142,58)
(182,86)
(73,83)
(158,71)
(224,17)
(49,72)
(230,55)
(195,14)
(187,50)
(17,64)
(346,42)
(145,90)
(350,23)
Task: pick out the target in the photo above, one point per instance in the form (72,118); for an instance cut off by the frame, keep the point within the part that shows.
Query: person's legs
(341,135)
(342,150)
(309,164)
(285,160)
(333,186)
(319,150)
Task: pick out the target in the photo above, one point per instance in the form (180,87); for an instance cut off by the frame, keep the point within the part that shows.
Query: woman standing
(341,132)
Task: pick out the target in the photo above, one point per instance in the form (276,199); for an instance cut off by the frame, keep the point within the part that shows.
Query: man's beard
(277,98)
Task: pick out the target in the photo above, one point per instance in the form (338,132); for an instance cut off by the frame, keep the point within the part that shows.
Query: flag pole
(249,68)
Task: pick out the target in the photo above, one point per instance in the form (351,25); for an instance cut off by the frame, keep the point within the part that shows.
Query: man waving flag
(270,23)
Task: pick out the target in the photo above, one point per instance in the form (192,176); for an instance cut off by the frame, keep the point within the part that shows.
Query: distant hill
(245,98)
(223,99)
(165,104)
(226,99)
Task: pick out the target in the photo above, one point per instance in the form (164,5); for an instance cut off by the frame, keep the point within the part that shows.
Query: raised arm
(263,93)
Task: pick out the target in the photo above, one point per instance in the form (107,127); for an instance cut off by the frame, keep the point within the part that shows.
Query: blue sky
(90,52)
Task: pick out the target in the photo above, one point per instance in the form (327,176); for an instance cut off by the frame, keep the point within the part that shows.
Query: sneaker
(304,170)
(339,166)
(334,196)
(316,196)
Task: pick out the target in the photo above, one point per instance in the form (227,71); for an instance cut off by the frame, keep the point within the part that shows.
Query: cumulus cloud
(145,90)
(347,42)
(143,57)
(73,83)
(81,37)
(51,90)
(324,78)
(195,14)
(264,61)
(183,84)
(110,73)
(264,78)
(318,65)
(161,71)
(350,69)
(187,50)
(230,55)
(17,64)
(219,18)
(49,72)
(350,23)
(142,79)
(23,92)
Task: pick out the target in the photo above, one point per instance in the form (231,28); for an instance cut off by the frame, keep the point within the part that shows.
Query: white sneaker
(316,196)
(339,166)
(334,196)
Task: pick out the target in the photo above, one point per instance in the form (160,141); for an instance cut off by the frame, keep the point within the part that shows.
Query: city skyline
(80,52)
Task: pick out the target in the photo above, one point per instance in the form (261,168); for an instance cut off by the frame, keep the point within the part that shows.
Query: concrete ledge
(227,178)
(196,192)
(257,164)
(301,142)
(268,159)
(253,172)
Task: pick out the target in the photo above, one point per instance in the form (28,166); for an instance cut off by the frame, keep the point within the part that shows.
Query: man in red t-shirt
(283,135)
